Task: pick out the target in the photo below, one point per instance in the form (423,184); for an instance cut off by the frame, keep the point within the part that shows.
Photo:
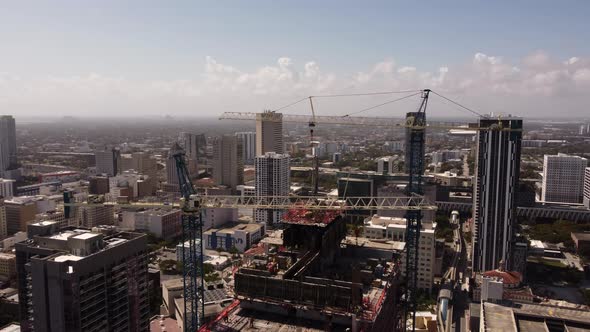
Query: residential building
(164,224)
(248,146)
(20,211)
(76,280)
(394,229)
(587,187)
(269,133)
(563,178)
(446,155)
(385,165)
(7,266)
(495,188)
(7,188)
(228,163)
(272,179)
(8,156)
(241,236)
(107,161)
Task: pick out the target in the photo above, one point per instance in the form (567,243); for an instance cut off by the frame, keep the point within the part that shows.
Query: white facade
(217,217)
(492,289)
(164,224)
(272,179)
(248,146)
(385,165)
(587,187)
(394,229)
(6,188)
(563,178)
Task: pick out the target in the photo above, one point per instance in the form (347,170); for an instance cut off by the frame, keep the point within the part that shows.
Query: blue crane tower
(415,130)
(192,231)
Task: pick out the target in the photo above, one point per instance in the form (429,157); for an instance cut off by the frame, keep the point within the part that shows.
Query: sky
(202,58)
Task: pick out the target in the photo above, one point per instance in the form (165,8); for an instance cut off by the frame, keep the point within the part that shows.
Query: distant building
(7,188)
(336,157)
(3,224)
(495,188)
(62,176)
(385,165)
(98,185)
(107,161)
(20,211)
(7,266)
(171,173)
(228,163)
(272,179)
(8,155)
(563,178)
(394,229)
(587,187)
(194,146)
(77,280)
(164,224)
(248,146)
(96,215)
(269,133)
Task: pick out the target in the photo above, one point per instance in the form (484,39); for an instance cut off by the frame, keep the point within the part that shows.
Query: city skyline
(121,59)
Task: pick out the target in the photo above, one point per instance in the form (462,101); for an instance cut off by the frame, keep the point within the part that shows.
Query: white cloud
(531,85)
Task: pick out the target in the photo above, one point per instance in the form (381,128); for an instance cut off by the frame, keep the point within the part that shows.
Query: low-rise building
(164,224)
(582,242)
(241,236)
(499,285)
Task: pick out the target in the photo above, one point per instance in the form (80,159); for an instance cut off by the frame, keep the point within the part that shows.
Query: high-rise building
(107,161)
(228,163)
(394,229)
(272,179)
(587,187)
(194,146)
(6,188)
(563,178)
(171,172)
(96,215)
(8,158)
(248,146)
(269,133)
(77,280)
(496,184)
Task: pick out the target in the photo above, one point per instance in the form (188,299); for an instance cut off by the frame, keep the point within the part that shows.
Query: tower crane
(415,125)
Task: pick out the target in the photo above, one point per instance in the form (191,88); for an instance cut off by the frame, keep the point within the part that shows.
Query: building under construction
(307,272)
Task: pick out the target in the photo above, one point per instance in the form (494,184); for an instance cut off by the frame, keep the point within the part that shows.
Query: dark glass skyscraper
(496,184)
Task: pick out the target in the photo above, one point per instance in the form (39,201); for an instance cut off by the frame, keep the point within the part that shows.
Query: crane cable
(460,105)
(382,104)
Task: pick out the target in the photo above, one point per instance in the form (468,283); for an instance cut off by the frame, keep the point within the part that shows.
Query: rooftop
(247,227)
(582,236)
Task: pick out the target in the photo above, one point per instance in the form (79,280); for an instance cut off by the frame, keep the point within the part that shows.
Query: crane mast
(415,131)
(192,234)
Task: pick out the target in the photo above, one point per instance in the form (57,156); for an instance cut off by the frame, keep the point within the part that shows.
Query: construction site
(305,276)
